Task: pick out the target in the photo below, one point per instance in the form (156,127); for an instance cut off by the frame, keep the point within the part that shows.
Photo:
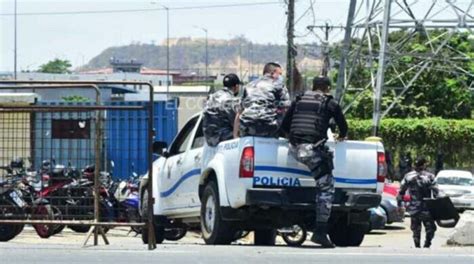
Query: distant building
(119,65)
(193,79)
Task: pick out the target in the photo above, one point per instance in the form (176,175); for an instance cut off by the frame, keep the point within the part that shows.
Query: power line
(83,12)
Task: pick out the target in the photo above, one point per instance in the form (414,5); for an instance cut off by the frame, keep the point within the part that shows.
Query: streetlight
(167,47)
(15,44)
(207,54)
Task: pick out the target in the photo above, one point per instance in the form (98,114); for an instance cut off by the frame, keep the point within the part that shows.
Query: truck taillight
(381,167)
(247,163)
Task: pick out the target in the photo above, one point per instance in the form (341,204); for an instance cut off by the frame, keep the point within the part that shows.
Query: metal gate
(58,161)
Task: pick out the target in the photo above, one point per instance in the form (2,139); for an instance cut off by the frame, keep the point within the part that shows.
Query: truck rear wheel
(265,237)
(344,235)
(215,231)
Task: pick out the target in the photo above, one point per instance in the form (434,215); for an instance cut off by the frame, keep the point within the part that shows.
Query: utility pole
(15,42)
(290,61)
(167,51)
(381,69)
(345,51)
(325,69)
(240,59)
(167,48)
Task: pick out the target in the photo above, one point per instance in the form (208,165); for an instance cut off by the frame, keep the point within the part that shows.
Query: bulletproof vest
(310,118)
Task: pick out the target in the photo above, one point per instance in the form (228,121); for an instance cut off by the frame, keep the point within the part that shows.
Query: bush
(428,137)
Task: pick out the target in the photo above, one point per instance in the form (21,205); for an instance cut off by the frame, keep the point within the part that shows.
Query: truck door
(172,178)
(191,169)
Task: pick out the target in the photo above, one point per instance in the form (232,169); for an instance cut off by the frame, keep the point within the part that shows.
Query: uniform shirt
(333,111)
(219,115)
(262,103)
(420,185)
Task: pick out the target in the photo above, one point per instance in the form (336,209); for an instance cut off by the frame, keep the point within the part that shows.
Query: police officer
(220,110)
(306,124)
(263,103)
(420,184)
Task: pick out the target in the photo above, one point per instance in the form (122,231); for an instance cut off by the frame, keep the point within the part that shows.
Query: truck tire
(344,235)
(265,237)
(215,231)
(175,234)
(159,230)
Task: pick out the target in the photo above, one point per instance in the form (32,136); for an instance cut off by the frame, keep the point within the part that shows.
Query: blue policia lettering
(276,181)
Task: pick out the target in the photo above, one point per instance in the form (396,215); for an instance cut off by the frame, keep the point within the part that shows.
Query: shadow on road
(377,233)
(394,227)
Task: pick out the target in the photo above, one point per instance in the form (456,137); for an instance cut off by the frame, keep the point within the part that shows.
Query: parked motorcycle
(81,198)
(126,201)
(11,208)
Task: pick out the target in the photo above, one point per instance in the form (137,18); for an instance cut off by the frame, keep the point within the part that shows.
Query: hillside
(188,55)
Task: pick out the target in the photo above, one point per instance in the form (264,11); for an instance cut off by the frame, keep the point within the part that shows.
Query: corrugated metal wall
(125,137)
(127,134)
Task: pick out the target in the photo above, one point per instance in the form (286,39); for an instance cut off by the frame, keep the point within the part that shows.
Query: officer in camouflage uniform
(306,123)
(220,110)
(263,104)
(420,184)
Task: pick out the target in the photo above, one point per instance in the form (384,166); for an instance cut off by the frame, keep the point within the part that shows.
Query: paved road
(186,253)
(385,246)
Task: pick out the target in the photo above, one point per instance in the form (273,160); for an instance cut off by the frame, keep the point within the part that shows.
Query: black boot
(417,243)
(427,244)
(320,236)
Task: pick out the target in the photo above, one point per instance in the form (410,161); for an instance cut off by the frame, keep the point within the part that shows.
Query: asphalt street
(382,246)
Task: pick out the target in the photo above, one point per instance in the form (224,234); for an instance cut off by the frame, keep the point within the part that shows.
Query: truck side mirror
(159,147)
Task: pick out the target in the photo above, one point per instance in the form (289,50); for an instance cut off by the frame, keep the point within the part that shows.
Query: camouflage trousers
(319,162)
(423,217)
(258,129)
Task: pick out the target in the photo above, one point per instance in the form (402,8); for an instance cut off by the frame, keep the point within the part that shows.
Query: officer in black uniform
(306,124)
(420,184)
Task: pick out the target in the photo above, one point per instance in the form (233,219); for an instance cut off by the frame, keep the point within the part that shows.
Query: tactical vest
(310,118)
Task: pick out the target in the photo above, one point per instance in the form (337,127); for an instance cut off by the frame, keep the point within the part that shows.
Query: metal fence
(74,164)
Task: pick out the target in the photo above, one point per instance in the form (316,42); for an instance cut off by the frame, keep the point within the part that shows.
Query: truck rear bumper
(304,198)
(285,207)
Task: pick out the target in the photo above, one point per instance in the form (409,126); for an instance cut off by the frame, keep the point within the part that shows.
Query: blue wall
(125,137)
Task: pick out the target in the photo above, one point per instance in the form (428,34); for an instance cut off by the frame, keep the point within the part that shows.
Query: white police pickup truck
(252,183)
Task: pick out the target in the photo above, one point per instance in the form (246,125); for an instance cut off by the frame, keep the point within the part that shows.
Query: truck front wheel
(215,231)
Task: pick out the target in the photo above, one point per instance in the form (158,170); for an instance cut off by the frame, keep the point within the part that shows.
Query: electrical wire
(83,12)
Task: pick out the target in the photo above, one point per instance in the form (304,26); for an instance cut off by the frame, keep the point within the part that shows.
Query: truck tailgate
(355,165)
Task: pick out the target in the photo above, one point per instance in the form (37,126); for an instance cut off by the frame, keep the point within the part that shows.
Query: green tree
(442,90)
(75,98)
(56,66)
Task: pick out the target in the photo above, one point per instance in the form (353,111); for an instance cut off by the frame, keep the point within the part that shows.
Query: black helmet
(230,80)
(321,81)
(420,162)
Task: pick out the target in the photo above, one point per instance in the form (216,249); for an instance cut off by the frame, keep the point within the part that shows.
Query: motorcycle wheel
(57,216)
(80,228)
(106,215)
(175,234)
(43,212)
(9,210)
(295,238)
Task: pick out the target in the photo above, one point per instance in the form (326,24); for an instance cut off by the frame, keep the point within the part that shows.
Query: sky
(81,37)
